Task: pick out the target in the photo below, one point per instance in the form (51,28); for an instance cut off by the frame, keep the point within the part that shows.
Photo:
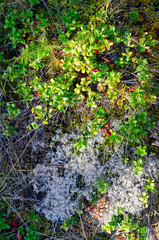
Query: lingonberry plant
(21,25)
(129,226)
(88,78)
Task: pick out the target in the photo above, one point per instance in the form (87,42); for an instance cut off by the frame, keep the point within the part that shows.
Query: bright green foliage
(13,111)
(137,126)
(138,166)
(144,198)
(87,77)
(150,185)
(131,228)
(129,225)
(141,150)
(102,186)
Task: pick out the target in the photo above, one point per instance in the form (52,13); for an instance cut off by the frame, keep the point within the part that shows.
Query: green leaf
(3,224)
(45,122)
(33,2)
(35,125)
(141,150)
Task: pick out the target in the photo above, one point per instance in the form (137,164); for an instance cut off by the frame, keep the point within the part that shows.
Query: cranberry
(95,51)
(148,51)
(133,88)
(24,35)
(115,102)
(37,94)
(95,41)
(102,129)
(108,134)
(14,224)
(93,70)
(35,20)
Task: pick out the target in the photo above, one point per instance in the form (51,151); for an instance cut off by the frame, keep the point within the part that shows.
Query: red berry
(95,51)
(96,69)
(40,93)
(60,62)
(108,134)
(146,96)
(93,70)
(37,94)
(133,88)
(14,224)
(35,20)
(102,87)
(148,51)
(95,41)
(24,35)
(115,102)
(79,73)
(55,54)
(102,129)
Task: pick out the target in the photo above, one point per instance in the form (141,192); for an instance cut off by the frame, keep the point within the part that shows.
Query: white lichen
(68,174)
(57,190)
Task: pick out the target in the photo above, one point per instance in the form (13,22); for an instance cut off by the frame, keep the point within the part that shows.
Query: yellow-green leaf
(45,122)
(35,125)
